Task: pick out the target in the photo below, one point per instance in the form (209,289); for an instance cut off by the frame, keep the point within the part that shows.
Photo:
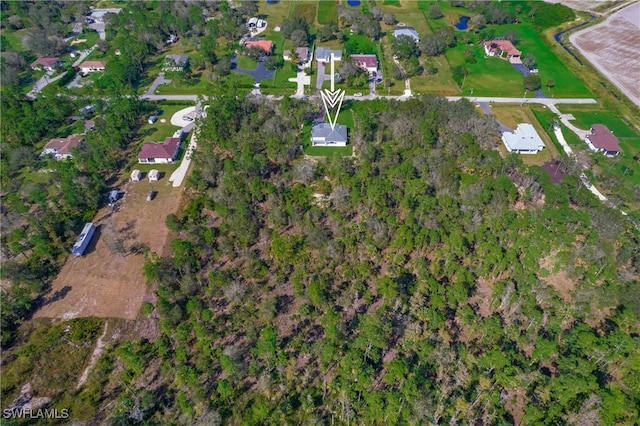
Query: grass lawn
(274,14)
(91,38)
(395,3)
(488,76)
(327,12)
(158,131)
(511,116)
(246,62)
(12,40)
(385,57)
(307,10)
(359,43)
(410,14)
(199,84)
(441,83)
(551,68)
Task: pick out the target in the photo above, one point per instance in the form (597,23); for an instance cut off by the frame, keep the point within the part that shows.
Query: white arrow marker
(333,97)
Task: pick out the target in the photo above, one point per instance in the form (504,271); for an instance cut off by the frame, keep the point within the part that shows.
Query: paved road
(43,82)
(83,55)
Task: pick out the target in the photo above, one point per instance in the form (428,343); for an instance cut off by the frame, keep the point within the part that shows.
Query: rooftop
(63,146)
(324,54)
(502,45)
(524,138)
(369,61)
(167,149)
(45,62)
(324,131)
(178,59)
(602,138)
(93,64)
(266,45)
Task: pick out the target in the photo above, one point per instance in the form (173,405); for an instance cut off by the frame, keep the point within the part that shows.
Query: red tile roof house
(368,63)
(92,66)
(502,49)
(266,45)
(47,64)
(602,140)
(60,148)
(166,152)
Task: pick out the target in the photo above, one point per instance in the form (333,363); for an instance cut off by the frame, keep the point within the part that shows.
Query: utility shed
(135,176)
(154,175)
(84,239)
(524,140)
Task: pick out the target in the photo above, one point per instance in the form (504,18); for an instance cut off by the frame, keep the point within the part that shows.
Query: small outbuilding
(154,175)
(135,176)
(84,239)
(152,119)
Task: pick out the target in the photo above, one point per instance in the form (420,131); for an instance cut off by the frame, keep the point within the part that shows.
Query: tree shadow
(58,295)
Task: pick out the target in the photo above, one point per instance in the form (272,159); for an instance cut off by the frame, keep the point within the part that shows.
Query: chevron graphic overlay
(332,98)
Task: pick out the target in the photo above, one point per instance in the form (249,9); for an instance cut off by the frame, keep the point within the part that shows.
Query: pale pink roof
(93,64)
(369,61)
(63,146)
(503,45)
(167,149)
(45,62)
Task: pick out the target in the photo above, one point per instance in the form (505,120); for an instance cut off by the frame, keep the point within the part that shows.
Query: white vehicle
(357,95)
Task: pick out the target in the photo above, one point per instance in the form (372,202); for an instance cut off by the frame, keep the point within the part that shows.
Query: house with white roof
(523,140)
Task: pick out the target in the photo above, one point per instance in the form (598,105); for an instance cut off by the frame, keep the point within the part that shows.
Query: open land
(612,47)
(105,284)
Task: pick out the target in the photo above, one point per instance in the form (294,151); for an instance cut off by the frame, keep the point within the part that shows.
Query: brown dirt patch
(106,284)
(515,404)
(563,284)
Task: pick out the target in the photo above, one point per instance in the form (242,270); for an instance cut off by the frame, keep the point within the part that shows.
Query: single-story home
(175,62)
(92,66)
(47,64)
(602,140)
(323,54)
(166,152)
(301,52)
(266,45)
(60,148)
(135,176)
(368,63)
(407,31)
(523,140)
(322,134)
(154,175)
(501,48)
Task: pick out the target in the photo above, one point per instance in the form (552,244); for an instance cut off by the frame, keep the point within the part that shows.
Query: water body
(462,23)
(354,3)
(273,1)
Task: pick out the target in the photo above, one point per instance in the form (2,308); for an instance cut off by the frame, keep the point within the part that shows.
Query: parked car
(357,95)
(187,118)
(151,195)
(153,119)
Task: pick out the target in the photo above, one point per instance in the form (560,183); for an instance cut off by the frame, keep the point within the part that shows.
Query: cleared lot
(108,281)
(612,47)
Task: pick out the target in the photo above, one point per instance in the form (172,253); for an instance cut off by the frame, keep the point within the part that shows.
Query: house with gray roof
(175,62)
(323,135)
(523,140)
(407,31)
(323,54)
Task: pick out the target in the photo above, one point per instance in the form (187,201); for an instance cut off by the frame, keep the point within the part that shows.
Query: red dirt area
(555,169)
(104,282)
(612,47)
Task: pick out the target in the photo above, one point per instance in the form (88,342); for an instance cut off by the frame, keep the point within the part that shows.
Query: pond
(273,1)
(354,3)
(462,23)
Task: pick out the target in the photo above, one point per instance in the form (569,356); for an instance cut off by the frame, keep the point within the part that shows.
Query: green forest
(427,281)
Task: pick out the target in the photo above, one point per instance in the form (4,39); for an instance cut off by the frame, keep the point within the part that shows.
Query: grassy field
(199,84)
(327,12)
(395,3)
(12,40)
(90,38)
(247,63)
(441,83)
(307,10)
(359,43)
(158,131)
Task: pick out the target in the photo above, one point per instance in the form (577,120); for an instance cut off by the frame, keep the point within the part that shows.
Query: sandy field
(612,47)
(103,282)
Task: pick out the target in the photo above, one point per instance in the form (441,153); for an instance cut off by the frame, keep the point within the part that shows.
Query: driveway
(487,110)
(259,74)
(43,82)
(177,120)
(99,27)
(321,75)
(83,55)
(157,82)
(302,79)
(525,72)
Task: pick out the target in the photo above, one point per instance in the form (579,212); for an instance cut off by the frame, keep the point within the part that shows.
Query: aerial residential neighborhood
(360,212)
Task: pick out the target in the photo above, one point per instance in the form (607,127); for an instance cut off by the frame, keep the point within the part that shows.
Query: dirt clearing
(103,282)
(612,47)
